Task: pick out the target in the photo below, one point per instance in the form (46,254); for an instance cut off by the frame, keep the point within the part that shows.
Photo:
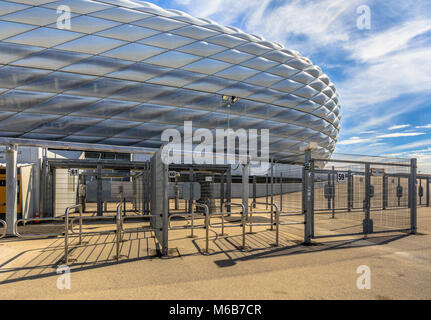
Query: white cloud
(428,126)
(353,140)
(386,42)
(401,134)
(321,22)
(401,126)
(386,79)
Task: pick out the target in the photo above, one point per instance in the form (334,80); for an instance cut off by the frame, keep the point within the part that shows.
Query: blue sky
(383,74)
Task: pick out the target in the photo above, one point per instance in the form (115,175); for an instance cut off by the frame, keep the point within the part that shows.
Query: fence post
(333,192)
(281,191)
(99,190)
(307,191)
(254,191)
(367,223)
(272,193)
(267,189)
(428,192)
(385,192)
(245,186)
(413,196)
(229,189)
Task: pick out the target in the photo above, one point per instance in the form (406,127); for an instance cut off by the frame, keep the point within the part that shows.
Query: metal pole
(222,192)
(413,207)
(367,223)
(11,188)
(308,170)
(66,237)
(333,192)
(272,192)
(398,196)
(330,191)
(245,187)
(191,208)
(118,235)
(229,188)
(428,191)
(349,191)
(254,191)
(420,188)
(281,190)
(80,224)
(267,189)
(385,192)
(99,190)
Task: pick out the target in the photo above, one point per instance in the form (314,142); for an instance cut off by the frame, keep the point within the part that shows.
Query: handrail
(119,236)
(5,228)
(277,220)
(207,213)
(243,221)
(66,230)
(222,214)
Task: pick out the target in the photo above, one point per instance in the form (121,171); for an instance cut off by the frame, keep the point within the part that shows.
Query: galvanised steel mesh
(126,71)
(340,194)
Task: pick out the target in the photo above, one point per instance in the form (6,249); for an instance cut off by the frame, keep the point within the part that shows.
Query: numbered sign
(341,177)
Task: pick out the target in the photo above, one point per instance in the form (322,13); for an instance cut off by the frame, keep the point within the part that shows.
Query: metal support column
(367,223)
(398,194)
(308,181)
(267,189)
(229,189)
(99,190)
(245,187)
(413,196)
(281,191)
(11,188)
(385,192)
(222,192)
(333,192)
(254,192)
(428,192)
(272,192)
(191,178)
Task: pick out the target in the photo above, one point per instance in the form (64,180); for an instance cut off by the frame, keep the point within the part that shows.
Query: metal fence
(356,196)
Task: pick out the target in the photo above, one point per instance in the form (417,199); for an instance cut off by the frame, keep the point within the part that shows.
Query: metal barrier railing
(277,219)
(243,221)
(192,226)
(66,230)
(5,228)
(223,214)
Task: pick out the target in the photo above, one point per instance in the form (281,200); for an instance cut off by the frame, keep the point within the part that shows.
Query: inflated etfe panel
(125,71)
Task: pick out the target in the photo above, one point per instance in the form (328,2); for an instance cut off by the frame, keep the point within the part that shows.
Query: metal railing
(224,214)
(191,226)
(5,228)
(271,224)
(66,230)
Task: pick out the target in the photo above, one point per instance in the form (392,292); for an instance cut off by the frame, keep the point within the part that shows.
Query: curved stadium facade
(126,71)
